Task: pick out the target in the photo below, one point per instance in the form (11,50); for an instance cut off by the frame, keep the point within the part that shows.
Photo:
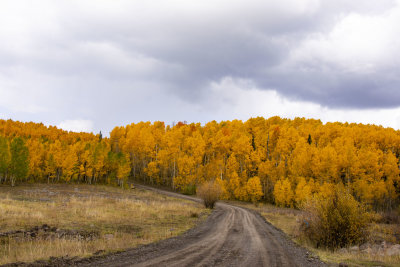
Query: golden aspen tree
(69,164)
(37,159)
(152,171)
(232,177)
(268,176)
(123,170)
(254,189)
(326,190)
(391,175)
(50,169)
(301,159)
(283,193)
(303,192)
(348,162)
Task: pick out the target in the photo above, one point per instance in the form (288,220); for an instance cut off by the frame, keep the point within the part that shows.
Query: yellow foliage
(210,193)
(334,221)
(278,151)
(254,189)
(326,190)
(283,193)
(303,191)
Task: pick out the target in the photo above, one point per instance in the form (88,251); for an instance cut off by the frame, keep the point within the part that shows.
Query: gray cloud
(141,60)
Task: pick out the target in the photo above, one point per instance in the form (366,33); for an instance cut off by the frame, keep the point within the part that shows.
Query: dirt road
(231,236)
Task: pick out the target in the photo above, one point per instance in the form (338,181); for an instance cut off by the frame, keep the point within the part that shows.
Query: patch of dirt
(231,236)
(46,232)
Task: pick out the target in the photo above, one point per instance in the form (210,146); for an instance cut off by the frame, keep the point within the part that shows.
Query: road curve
(231,236)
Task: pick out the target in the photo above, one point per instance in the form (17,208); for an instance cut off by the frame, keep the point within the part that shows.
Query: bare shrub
(210,193)
(335,221)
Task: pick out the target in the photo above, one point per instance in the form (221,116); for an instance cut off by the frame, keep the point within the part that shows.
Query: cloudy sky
(92,65)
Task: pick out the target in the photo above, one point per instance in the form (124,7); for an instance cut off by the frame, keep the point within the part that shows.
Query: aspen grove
(277,160)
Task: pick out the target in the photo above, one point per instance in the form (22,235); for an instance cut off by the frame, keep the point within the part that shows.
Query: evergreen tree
(309,140)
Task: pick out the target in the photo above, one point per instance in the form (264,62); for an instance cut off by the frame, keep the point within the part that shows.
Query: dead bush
(210,193)
(336,221)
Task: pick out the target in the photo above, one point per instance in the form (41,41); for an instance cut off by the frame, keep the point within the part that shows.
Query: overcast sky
(92,65)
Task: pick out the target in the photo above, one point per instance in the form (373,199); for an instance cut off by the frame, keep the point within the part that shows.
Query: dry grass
(289,220)
(120,218)
(357,259)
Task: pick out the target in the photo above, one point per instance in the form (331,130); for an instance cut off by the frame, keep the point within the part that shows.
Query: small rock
(393,250)
(343,265)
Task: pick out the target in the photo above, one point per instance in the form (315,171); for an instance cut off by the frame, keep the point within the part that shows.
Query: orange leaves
(254,189)
(283,193)
(303,191)
(287,160)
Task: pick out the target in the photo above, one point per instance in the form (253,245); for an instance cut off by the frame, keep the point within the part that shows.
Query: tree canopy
(279,160)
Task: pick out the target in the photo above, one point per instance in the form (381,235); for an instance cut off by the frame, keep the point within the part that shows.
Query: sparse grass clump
(335,221)
(210,193)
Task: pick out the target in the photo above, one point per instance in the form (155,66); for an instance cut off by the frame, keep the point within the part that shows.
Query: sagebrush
(210,193)
(334,221)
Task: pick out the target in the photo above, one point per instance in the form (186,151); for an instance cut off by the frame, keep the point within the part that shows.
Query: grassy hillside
(42,221)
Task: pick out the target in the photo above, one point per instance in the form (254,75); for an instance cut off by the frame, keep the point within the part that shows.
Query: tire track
(231,236)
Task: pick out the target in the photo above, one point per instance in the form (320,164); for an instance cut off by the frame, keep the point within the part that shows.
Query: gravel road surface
(231,236)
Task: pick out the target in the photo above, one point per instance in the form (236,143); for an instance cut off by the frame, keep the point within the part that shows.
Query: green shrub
(335,221)
(189,190)
(210,193)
